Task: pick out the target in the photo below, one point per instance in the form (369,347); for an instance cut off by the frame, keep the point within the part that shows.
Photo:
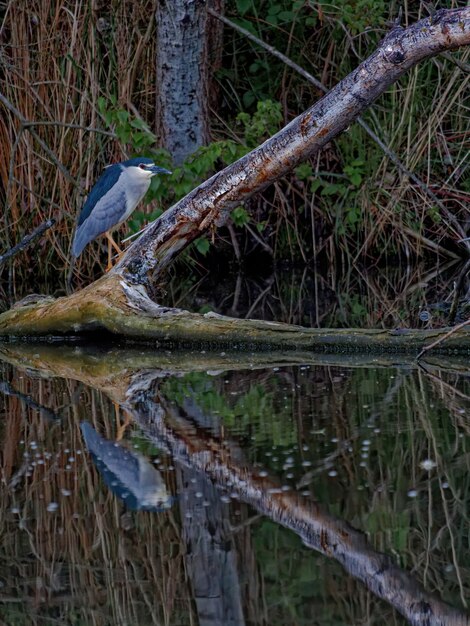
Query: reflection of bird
(115,195)
(128,474)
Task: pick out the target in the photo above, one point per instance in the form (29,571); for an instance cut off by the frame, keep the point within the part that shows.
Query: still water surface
(192,488)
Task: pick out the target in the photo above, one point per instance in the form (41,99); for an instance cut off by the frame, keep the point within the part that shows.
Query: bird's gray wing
(105,215)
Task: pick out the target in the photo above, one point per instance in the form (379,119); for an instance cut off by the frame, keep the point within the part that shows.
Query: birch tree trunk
(120,302)
(185,37)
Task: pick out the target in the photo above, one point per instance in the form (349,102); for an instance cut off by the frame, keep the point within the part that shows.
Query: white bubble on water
(428,465)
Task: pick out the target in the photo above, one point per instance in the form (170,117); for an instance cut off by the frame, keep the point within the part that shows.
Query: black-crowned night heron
(128,474)
(115,195)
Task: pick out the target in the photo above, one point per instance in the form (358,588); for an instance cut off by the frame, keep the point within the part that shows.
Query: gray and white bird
(112,199)
(128,474)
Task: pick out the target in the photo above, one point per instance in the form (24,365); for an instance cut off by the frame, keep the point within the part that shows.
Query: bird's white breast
(135,182)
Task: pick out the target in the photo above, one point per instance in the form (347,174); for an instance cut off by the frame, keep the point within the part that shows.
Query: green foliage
(264,122)
(240,216)
(202,245)
(260,95)
(166,190)
(357,15)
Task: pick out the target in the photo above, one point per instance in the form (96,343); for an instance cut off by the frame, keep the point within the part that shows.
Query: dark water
(161,488)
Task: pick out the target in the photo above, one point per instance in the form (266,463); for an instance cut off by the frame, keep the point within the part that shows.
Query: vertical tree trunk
(185,38)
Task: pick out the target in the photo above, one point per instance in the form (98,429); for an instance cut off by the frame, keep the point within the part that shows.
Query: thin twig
(442,338)
(24,243)
(26,124)
(465,67)
(87,129)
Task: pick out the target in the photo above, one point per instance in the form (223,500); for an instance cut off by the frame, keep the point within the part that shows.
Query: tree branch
(24,243)
(211,202)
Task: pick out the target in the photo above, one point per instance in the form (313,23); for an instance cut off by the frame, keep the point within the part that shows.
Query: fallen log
(114,308)
(119,303)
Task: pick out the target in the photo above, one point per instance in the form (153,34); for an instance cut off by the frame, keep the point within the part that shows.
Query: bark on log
(119,302)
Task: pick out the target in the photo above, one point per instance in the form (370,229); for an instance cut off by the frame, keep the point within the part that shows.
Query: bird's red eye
(142,166)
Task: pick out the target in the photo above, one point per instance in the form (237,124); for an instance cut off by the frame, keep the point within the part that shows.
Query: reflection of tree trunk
(120,303)
(317,529)
(211,557)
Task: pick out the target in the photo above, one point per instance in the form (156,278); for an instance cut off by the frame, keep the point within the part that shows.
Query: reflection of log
(119,372)
(119,303)
(317,529)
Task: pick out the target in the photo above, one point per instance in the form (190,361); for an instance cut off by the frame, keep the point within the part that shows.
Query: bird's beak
(155,169)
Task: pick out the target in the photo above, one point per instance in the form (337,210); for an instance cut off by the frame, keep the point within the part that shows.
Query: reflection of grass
(90,562)
(302,587)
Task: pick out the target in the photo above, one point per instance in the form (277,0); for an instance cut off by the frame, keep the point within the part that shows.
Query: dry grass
(56,61)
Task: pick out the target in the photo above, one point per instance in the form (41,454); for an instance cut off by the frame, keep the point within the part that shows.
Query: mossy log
(113,308)
(119,303)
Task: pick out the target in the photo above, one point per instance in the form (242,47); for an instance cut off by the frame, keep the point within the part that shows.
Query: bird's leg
(111,243)
(121,428)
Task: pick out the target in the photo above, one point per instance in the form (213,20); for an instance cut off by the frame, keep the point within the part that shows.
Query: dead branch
(28,239)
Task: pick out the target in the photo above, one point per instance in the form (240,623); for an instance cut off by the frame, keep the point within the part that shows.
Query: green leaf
(330,189)
(274,9)
(315,185)
(286,16)
(355,178)
(304,171)
(248,99)
(243,6)
(240,216)
(101,104)
(123,116)
(202,245)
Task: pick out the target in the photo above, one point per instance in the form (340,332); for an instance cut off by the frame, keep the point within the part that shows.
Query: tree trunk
(120,302)
(185,33)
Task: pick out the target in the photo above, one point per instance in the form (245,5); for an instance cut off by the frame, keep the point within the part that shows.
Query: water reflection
(267,461)
(128,474)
